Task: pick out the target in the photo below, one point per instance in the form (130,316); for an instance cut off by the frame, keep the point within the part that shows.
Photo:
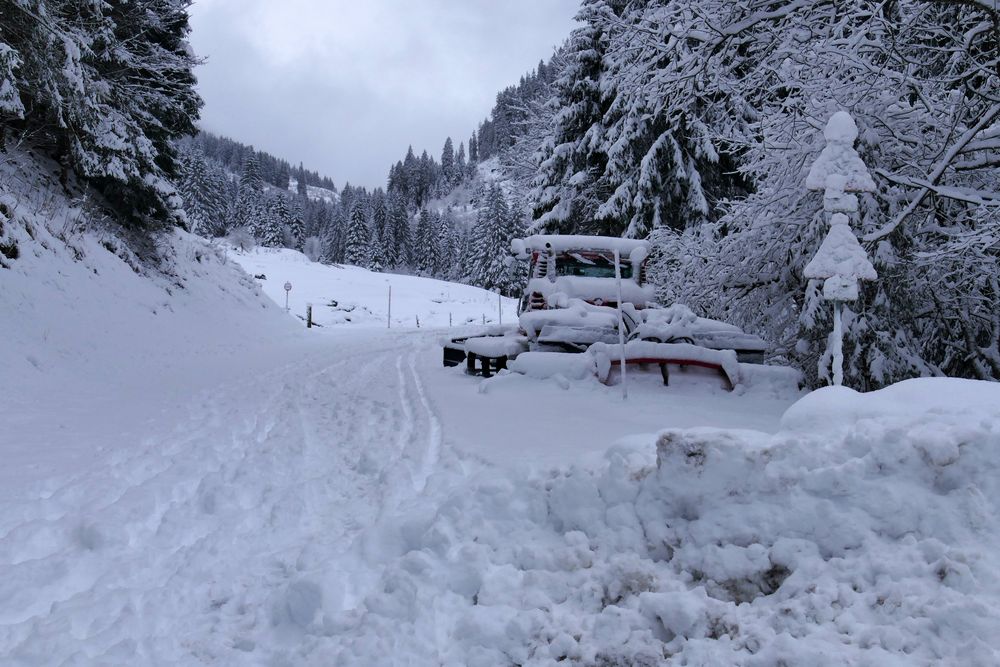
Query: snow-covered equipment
(840,261)
(571,304)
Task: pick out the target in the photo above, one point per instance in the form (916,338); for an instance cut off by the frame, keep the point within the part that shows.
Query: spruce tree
(357,250)
(249,211)
(425,243)
(448,162)
(398,242)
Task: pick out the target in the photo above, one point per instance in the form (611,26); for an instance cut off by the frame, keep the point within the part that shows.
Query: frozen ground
(192,478)
(344,294)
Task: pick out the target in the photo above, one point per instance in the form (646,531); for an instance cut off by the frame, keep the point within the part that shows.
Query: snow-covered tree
(426,248)
(107,88)
(358,247)
(250,211)
(489,264)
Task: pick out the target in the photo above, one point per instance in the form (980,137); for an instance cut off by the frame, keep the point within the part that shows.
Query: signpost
(288,288)
(621,323)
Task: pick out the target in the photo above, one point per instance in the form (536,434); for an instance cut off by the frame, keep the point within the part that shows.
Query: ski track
(133,562)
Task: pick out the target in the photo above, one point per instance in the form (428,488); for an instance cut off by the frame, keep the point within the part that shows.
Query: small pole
(388,316)
(484,319)
(418,321)
(309,316)
(449,319)
(621,324)
(500,305)
(837,348)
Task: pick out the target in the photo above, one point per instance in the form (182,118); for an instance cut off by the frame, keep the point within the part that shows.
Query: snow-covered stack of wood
(840,261)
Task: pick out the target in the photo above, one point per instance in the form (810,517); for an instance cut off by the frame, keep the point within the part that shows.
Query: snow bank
(871,543)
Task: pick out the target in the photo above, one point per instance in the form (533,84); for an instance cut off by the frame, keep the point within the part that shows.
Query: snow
(839,158)
(191,477)
(567,242)
(585,287)
(349,295)
(544,365)
(573,313)
(640,349)
(840,254)
(496,346)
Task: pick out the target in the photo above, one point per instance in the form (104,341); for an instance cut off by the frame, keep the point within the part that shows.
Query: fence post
(309,316)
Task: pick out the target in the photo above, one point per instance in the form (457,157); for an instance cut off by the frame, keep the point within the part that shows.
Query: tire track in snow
(432,452)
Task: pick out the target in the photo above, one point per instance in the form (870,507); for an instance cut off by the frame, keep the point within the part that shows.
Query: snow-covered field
(343,294)
(191,477)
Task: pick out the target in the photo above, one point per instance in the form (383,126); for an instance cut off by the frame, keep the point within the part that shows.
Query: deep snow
(193,478)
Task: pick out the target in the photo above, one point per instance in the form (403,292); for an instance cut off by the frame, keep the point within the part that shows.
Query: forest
(691,125)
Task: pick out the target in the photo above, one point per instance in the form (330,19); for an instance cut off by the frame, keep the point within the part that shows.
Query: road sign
(288,287)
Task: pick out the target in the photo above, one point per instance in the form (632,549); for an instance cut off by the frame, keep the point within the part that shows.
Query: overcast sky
(346,85)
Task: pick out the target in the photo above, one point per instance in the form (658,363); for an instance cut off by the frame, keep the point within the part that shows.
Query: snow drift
(862,533)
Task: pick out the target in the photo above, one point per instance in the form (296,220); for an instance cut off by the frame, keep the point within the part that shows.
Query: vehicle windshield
(590,265)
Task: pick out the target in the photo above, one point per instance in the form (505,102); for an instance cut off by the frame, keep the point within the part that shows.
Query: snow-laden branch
(935,175)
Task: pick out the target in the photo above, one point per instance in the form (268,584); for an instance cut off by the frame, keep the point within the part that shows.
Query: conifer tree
(296,227)
(425,243)
(357,250)
(461,168)
(249,211)
(448,163)
(398,242)
(271,231)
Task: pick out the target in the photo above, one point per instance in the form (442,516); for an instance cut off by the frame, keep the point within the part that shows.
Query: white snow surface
(840,254)
(192,478)
(838,158)
(344,294)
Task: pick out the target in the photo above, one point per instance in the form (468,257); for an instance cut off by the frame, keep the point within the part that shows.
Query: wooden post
(309,316)
(470,363)
(388,317)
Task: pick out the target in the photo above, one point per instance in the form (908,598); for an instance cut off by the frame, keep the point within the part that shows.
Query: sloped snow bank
(853,536)
(90,330)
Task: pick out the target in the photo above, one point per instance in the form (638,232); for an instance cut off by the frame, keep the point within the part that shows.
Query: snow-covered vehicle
(570,305)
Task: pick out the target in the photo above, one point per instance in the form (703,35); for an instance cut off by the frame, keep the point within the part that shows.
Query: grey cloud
(346,86)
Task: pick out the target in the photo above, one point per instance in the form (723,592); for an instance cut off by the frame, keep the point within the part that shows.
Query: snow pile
(542,365)
(496,346)
(868,538)
(839,158)
(840,257)
(342,294)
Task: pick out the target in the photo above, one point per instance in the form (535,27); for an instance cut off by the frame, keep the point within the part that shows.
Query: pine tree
(109,87)
(249,211)
(448,162)
(398,242)
(496,226)
(425,243)
(271,232)
(461,168)
(296,236)
(301,185)
(358,247)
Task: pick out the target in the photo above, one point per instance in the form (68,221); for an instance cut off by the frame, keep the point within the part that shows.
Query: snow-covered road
(342,499)
(250,513)
(201,539)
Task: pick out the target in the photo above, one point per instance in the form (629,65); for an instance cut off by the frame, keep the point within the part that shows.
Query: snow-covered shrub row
(862,533)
